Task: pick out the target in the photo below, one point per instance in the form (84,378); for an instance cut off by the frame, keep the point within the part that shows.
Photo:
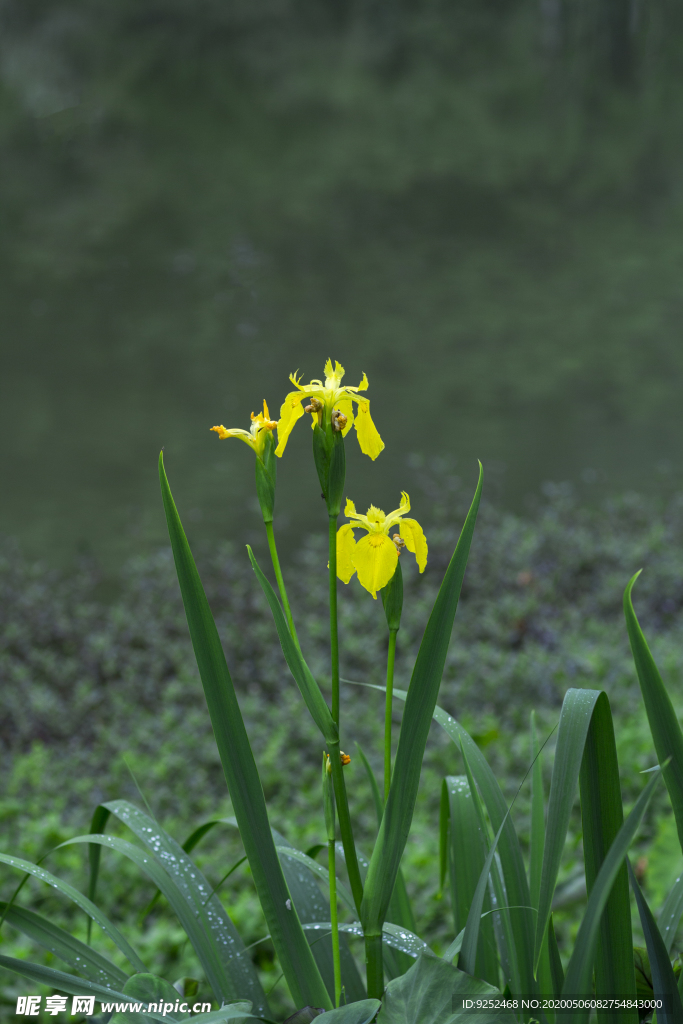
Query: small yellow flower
(332,403)
(255,437)
(375,556)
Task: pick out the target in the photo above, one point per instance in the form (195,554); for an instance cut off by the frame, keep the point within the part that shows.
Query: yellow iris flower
(324,400)
(255,437)
(375,556)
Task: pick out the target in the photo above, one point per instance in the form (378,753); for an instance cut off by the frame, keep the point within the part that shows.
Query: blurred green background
(479,204)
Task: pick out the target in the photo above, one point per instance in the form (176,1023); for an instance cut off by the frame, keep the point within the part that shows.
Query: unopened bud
(399,542)
(344,758)
(315,406)
(339,420)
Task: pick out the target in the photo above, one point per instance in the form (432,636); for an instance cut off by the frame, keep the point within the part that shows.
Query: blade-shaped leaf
(81,901)
(468,847)
(602,816)
(311,905)
(514,873)
(663,980)
(303,677)
(60,980)
(291,945)
(97,825)
(392,935)
(69,949)
(670,914)
(209,912)
(575,720)
(73,986)
(400,911)
(195,921)
(664,725)
(578,978)
(537,838)
(420,704)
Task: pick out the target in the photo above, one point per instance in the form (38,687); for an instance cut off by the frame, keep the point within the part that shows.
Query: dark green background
(479,204)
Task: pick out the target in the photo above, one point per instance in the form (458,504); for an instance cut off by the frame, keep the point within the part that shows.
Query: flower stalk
(328,805)
(392,600)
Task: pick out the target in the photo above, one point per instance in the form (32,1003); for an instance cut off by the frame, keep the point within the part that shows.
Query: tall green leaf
(537,838)
(664,726)
(312,905)
(69,949)
(246,793)
(210,914)
(400,911)
(60,980)
(467,849)
(195,920)
(512,863)
(578,978)
(575,720)
(420,704)
(663,980)
(670,914)
(81,901)
(602,816)
(310,691)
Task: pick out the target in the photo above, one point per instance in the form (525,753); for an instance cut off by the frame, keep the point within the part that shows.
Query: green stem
(345,828)
(281,583)
(334,633)
(374,966)
(331,853)
(391,656)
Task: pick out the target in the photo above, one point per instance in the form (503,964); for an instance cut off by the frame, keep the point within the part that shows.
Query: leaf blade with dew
(579,973)
(60,980)
(319,870)
(97,825)
(662,718)
(65,946)
(313,905)
(208,910)
(514,872)
(575,718)
(239,766)
(602,816)
(466,854)
(393,935)
(671,912)
(195,928)
(663,980)
(81,901)
(468,947)
(68,983)
(400,911)
(420,704)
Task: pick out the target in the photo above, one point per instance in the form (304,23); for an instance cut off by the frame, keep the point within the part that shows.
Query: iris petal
(375,558)
(291,410)
(346,543)
(413,535)
(368,438)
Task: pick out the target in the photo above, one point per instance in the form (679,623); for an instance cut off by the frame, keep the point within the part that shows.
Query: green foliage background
(99,672)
